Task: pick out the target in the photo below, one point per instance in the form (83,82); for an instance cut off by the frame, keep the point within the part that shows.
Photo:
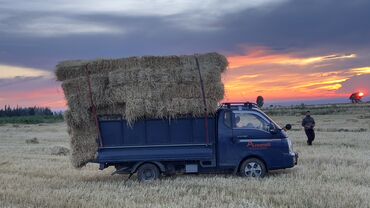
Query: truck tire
(253,168)
(148,172)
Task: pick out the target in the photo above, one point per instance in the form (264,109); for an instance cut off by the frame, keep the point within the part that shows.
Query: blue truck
(239,138)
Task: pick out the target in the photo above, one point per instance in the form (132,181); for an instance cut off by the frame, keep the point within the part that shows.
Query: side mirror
(288,127)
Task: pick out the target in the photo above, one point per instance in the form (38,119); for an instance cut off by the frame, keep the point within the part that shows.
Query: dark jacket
(308,122)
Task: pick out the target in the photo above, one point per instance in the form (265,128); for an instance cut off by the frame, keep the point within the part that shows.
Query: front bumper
(291,159)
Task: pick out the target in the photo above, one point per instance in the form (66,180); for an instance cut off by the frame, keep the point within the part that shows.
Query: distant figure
(309,123)
(260,101)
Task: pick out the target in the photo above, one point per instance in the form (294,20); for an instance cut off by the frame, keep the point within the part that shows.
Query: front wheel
(253,167)
(148,172)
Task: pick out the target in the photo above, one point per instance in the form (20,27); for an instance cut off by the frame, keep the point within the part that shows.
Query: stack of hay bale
(136,87)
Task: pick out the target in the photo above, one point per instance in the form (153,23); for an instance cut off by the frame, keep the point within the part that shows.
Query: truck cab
(239,138)
(245,132)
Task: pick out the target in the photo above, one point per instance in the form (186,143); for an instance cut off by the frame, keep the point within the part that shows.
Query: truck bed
(155,139)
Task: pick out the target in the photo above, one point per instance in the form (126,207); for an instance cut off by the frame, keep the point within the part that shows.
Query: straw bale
(72,69)
(155,76)
(77,92)
(193,107)
(85,117)
(77,68)
(165,92)
(139,108)
(136,87)
(84,146)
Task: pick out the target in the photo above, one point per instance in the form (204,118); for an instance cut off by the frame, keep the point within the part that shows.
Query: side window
(249,121)
(227,119)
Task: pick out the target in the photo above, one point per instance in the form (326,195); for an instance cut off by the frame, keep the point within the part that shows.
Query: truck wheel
(147,172)
(253,167)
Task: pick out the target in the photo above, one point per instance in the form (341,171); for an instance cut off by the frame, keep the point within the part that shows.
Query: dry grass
(334,172)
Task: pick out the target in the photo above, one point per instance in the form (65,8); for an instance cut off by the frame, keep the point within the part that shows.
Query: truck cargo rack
(245,104)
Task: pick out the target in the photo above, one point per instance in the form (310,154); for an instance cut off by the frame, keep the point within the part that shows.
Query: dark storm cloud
(140,36)
(339,24)
(41,39)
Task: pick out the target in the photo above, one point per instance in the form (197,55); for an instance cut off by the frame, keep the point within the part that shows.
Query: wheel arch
(159,165)
(237,169)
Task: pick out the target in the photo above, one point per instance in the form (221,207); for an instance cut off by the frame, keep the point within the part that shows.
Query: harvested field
(334,172)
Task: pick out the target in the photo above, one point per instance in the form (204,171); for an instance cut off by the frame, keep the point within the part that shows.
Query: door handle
(236,139)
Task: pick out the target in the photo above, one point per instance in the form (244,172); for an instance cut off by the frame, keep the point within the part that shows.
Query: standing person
(309,123)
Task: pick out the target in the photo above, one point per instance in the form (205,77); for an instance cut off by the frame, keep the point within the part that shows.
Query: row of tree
(8,111)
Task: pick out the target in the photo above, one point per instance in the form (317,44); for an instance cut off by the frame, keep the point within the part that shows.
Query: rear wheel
(253,168)
(148,172)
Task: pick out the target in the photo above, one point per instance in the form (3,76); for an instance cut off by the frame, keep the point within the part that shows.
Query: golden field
(334,172)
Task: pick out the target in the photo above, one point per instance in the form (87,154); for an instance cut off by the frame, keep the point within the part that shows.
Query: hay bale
(59,150)
(77,92)
(152,77)
(34,140)
(193,107)
(165,91)
(135,87)
(78,119)
(76,68)
(84,145)
(85,117)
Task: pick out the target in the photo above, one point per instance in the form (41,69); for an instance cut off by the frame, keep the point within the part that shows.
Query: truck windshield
(268,118)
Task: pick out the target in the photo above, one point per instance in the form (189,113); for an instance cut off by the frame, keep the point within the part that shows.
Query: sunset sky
(284,50)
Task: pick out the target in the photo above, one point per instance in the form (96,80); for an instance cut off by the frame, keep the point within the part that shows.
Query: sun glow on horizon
(287,76)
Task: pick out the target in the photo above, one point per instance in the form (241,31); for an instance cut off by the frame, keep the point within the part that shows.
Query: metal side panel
(155,153)
(117,133)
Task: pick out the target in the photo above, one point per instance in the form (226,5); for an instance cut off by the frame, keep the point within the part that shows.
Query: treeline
(8,111)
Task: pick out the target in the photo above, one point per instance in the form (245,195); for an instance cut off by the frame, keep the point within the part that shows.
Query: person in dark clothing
(308,124)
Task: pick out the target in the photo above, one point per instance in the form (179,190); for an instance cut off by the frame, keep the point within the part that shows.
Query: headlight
(290,145)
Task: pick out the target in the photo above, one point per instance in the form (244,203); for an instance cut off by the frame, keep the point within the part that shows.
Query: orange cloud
(286,76)
(361,71)
(8,72)
(262,57)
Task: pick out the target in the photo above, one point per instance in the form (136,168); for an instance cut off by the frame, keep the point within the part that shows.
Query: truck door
(250,135)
